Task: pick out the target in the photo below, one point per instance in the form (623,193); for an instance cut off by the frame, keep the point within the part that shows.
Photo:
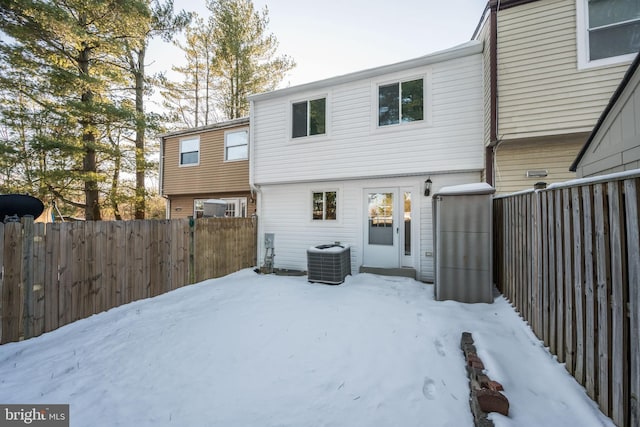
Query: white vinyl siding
(541,91)
(357,154)
(295,232)
(486,61)
(356,149)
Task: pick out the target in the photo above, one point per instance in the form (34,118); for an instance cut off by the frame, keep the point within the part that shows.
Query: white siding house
(346,159)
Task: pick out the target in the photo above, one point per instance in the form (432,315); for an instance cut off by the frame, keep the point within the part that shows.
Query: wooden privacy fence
(55,274)
(568,259)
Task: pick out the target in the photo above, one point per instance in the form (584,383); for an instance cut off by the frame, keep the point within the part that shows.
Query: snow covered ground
(250,350)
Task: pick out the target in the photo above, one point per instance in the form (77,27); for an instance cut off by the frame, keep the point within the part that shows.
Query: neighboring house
(614,143)
(348,158)
(550,68)
(208,162)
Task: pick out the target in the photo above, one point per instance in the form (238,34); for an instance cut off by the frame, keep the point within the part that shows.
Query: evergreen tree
(191,102)
(244,59)
(229,57)
(163,23)
(66,49)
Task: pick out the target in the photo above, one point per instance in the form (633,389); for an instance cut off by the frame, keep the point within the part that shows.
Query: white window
(309,118)
(198,208)
(608,31)
(236,145)
(190,151)
(236,207)
(324,206)
(401,102)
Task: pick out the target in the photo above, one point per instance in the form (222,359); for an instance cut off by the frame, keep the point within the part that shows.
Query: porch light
(427,187)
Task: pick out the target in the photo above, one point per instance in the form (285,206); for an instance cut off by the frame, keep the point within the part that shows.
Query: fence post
(192,269)
(633,256)
(27,275)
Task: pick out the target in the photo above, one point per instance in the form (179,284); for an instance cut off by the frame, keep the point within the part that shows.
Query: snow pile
(250,350)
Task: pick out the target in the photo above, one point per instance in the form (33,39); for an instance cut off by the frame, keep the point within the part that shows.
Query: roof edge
(506,4)
(213,126)
(466,49)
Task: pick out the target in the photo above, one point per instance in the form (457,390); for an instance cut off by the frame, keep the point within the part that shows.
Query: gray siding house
(614,143)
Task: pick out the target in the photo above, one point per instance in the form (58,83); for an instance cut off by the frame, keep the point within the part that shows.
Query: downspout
(255,189)
(493,86)
(167,205)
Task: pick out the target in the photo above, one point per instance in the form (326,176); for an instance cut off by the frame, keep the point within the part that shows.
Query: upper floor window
(309,118)
(608,31)
(324,205)
(190,151)
(401,102)
(236,145)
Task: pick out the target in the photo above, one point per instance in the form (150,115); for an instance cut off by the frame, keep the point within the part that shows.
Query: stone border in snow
(485,393)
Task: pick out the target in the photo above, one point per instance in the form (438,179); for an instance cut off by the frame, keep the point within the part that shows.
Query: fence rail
(568,259)
(55,274)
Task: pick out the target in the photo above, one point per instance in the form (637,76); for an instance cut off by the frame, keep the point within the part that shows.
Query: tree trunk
(89,165)
(141,126)
(113,196)
(197,91)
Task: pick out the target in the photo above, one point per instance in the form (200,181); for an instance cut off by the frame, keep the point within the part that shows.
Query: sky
(329,38)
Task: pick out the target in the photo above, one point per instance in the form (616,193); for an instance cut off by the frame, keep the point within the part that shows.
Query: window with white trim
(190,151)
(401,102)
(198,208)
(325,204)
(608,31)
(236,207)
(309,118)
(236,145)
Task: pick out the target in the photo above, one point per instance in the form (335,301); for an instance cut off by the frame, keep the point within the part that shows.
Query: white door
(387,228)
(381,229)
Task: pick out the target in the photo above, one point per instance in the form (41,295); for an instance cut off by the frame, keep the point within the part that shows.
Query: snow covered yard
(250,350)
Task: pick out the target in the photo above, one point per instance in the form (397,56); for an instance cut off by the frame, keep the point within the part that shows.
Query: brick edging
(484,396)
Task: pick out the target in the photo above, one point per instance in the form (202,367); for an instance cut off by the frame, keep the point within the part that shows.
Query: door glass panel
(407,223)
(380,219)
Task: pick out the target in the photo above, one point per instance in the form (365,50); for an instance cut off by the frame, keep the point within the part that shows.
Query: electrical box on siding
(463,242)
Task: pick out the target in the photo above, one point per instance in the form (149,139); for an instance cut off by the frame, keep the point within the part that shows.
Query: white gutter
(252,155)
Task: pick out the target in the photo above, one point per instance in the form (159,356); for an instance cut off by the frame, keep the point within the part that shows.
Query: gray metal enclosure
(462,223)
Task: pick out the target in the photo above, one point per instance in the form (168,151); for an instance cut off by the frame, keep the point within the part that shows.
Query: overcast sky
(328,38)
